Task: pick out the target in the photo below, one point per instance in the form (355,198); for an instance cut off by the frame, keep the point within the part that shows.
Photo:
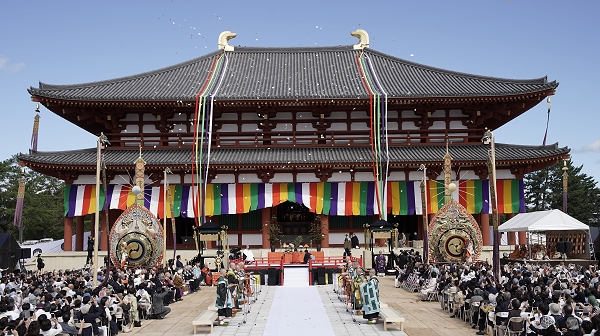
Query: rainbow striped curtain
(329,198)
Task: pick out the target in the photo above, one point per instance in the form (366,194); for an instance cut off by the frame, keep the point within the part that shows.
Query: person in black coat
(40,263)
(306,257)
(178,263)
(90,250)
(354,240)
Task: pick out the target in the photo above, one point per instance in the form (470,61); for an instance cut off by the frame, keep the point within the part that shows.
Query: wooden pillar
(79,229)
(265,220)
(512,238)
(325,230)
(103,232)
(68,234)
(484,225)
(522,238)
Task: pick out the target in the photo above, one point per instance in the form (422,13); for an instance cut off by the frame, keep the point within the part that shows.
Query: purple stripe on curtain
(185,198)
(109,191)
(298,192)
(521,196)
(261,196)
(224,201)
(410,195)
(72,200)
(147,196)
(333,208)
(485,196)
(370,198)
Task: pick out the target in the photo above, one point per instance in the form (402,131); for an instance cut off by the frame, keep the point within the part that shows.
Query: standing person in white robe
(248,255)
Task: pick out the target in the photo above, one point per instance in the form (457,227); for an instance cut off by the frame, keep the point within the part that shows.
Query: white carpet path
(298,311)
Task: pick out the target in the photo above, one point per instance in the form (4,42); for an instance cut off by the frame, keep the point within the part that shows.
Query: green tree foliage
(544,191)
(43,209)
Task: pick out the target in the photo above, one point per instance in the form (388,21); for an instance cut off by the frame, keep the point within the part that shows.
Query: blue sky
(66,42)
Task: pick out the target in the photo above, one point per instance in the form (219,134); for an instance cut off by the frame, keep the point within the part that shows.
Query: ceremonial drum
(138,233)
(454,234)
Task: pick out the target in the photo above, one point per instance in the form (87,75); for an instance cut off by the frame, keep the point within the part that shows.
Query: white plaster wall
(229,116)
(85,179)
(504,174)
(363,177)
(224,178)
(232,239)
(249,178)
(307,177)
(396,176)
(282,178)
(409,114)
(251,116)
(251,239)
(339,177)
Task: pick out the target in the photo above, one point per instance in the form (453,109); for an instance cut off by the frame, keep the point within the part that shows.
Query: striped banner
(329,198)
(80,200)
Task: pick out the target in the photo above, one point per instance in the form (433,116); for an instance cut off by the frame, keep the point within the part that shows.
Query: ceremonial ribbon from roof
(328,198)
(378,130)
(18,218)
(203,124)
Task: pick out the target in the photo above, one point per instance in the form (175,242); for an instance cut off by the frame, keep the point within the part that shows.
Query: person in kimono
(369,292)
(380,263)
(224,301)
(233,283)
(358,280)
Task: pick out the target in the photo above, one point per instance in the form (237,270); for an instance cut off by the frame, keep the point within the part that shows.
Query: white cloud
(10,68)
(593,147)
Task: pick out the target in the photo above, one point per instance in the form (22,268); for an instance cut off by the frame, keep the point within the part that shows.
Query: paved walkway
(422,318)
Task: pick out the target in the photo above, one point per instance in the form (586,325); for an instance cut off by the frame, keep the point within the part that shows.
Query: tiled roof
(295,156)
(293,73)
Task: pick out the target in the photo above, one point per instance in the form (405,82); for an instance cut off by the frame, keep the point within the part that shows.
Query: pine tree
(544,191)
(43,209)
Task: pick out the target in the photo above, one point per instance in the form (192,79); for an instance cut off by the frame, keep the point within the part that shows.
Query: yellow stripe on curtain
(209,204)
(247,197)
(355,198)
(395,186)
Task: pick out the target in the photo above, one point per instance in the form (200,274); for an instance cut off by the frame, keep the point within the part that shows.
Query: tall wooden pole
(565,177)
(97,214)
(425,217)
(165,186)
(488,138)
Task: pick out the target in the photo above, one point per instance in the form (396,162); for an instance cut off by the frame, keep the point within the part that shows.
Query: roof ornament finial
(224,38)
(363,38)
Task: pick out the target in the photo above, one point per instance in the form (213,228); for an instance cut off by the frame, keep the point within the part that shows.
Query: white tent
(541,221)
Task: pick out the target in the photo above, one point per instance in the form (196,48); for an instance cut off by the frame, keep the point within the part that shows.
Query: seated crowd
(532,299)
(66,302)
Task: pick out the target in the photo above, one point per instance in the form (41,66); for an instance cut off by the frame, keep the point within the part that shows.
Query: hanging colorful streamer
(203,123)
(378,130)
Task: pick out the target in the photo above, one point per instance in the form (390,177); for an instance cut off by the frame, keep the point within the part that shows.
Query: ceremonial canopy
(543,221)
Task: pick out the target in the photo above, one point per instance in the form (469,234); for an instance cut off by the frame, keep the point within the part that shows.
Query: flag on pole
(36,127)
(18,221)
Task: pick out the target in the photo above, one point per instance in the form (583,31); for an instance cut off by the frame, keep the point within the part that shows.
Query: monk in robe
(224,302)
(369,292)
(358,280)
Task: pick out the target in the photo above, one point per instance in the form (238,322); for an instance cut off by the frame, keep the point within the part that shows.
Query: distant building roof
(408,155)
(290,74)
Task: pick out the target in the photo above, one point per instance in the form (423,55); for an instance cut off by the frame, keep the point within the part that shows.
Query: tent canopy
(549,220)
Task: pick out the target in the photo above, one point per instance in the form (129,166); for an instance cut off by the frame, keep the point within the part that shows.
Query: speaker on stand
(24,253)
